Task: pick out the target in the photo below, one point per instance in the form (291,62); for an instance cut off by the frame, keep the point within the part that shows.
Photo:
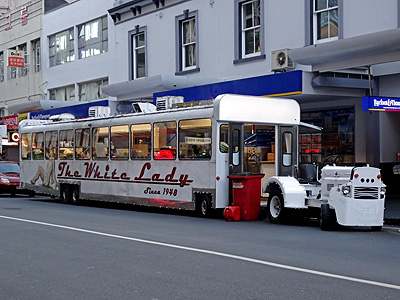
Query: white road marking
(242,258)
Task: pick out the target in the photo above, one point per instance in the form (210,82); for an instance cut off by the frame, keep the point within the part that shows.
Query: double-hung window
(187,42)
(36,55)
(61,48)
(326,20)
(138,53)
(249,30)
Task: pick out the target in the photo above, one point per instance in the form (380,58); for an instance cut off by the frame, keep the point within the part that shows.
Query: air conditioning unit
(168,102)
(280,61)
(99,111)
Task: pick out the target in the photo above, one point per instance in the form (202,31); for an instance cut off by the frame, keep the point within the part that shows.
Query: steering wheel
(333,160)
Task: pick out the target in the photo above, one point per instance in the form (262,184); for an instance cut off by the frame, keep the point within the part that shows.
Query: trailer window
(195,139)
(223,138)
(164,140)
(51,144)
(141,141)
(26,146)
(38,145)
(100,142)
(287,149)
(66,144)
(82,144)
(120,142)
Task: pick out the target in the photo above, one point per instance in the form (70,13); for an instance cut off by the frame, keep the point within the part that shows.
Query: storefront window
(336,137)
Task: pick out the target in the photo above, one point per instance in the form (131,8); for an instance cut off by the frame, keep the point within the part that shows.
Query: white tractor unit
(350,196)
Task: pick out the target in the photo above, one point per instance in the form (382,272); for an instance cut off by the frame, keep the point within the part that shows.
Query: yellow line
(284,94)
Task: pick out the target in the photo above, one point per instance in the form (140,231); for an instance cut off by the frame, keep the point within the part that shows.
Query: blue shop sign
(380,104)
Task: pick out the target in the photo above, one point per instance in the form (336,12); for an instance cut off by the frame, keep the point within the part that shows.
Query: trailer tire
(275,207)
(325,220)
(75,195)
(65,194)
(203,206)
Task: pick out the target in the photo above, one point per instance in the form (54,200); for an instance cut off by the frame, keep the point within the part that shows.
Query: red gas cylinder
(232,213)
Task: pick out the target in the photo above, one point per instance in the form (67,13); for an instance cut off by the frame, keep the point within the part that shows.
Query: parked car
(9,179)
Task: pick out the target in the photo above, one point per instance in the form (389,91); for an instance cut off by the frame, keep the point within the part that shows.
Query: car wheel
(275,207)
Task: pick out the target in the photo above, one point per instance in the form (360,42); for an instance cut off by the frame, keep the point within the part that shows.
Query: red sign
(11,121)
(15,58)
(24,16)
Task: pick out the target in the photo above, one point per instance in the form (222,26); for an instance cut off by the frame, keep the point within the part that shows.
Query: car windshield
(9,168)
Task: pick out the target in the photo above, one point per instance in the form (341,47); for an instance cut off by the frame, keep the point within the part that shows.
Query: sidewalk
(392,210)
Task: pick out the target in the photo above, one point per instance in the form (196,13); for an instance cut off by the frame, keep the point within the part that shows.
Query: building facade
(327,55)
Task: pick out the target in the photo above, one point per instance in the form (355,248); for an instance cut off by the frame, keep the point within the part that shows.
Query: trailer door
(287,150)
(236,138)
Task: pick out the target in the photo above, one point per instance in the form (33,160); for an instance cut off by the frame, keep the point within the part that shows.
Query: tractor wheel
(325,220)
(275,207)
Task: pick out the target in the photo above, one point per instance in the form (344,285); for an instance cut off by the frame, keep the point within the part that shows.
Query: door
(236,156)
(287,150)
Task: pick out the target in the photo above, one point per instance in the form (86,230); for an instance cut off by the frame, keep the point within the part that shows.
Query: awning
(145,87)
(37,105)
(368,49)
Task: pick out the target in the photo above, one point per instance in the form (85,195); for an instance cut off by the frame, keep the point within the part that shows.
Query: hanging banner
(381,104)
(15,58)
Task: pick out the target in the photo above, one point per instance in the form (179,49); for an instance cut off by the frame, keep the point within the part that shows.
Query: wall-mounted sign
(15,136)
(381,104)
(11,121)
(15,58)
(24,16)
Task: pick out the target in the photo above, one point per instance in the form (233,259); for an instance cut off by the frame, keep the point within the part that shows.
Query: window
(223,138)
(93,38)
(141,141)
(249,30)
(325,19)
(287,149)
(51,143)
(66,93)
(26,146)
(164,140)
(1,66)
(100,142)
(24,71)
(37,145)
(66,144)
(120,142)
(138,37)
(61,48)
(187,57)
(36,55)
(82,144)
(13,70)
(92,90)
(195,139)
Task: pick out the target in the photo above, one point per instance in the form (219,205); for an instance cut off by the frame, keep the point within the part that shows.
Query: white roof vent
(168,102)
(99,111)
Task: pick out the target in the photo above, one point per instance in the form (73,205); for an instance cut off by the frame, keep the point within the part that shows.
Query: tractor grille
(366,193)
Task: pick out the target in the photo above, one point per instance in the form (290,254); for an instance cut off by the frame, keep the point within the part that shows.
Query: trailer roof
(252,109)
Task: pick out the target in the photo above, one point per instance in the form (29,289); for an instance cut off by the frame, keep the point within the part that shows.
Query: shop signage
(15,58)
(24,16)
(197,140)
(381,104)
(15,136)
(11,121)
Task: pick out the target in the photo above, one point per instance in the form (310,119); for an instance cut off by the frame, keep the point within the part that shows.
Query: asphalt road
(49,250)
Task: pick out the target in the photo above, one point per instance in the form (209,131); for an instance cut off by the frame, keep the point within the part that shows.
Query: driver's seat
(307,173)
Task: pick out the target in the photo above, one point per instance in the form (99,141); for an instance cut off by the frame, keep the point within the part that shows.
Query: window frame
(316,27)
(183,133)
(36,55)
(132,50)
(240,57)
(69,51)
(149,145)
(87,44)
(179,29)
(1,66)
(173,147)
(113,136)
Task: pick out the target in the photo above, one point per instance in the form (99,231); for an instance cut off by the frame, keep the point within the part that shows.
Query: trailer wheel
(65,194)
(325,220)
(75,195)
(275,207)
(203,206)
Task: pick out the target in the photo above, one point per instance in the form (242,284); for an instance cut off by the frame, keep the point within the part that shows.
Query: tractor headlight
(346,189)
(383,192)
